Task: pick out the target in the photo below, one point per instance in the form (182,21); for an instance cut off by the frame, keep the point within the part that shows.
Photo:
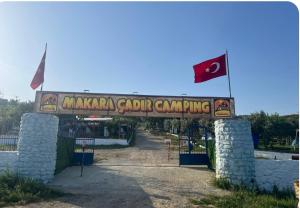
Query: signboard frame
(109,104)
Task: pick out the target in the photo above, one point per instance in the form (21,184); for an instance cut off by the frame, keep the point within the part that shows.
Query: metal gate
(193,146)
(84,151)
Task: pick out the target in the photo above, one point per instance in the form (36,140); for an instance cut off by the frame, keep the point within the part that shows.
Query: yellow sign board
(133,105)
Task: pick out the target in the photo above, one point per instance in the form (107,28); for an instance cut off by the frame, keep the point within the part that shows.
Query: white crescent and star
(214,71)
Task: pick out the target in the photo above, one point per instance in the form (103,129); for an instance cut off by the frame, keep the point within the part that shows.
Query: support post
(228,74)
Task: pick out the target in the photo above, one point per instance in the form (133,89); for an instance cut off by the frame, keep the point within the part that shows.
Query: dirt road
(148,150)
(139,176)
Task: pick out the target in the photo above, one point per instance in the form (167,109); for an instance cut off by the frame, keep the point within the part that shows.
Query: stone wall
(37,146)
(281,173)
(8,161)
(234,151)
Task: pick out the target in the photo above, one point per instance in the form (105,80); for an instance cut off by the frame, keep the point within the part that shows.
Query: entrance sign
(133,105)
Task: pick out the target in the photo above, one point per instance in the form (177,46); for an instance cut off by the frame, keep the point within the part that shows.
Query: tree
(11,113)
(209,124)
(259,121)
(167,124)
(175,123)
(273,127)
(154,123)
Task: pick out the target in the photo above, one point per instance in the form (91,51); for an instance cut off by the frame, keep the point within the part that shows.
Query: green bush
(65,149)
(15,189)
(211,153)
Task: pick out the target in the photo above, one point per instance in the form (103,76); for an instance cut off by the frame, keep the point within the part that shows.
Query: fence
(8,142)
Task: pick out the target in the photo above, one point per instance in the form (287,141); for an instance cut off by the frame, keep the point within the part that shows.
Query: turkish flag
(38,78)
(210,69)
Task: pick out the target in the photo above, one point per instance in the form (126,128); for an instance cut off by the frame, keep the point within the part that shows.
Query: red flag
(38,78)
(210,69)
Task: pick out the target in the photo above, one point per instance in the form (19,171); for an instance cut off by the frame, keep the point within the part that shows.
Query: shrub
(211,153)
(15,189)
(64,155)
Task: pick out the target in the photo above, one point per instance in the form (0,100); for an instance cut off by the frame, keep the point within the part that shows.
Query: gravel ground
(139,176)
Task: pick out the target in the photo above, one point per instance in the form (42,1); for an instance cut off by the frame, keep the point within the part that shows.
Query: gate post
(37,146)
(234,151)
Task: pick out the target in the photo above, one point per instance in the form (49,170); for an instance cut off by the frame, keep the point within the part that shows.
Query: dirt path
(148,150)
(140,176)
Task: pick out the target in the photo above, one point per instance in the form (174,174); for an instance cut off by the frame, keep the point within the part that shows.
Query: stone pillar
(37,146)
(234,151)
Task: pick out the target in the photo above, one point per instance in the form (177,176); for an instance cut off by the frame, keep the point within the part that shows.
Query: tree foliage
(270,128)
(273,127)
(11,112)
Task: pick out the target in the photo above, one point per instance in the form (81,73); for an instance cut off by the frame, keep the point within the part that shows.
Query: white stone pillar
(37,146)
(234,151)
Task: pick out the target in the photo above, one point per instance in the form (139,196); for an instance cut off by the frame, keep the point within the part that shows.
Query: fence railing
(8,142)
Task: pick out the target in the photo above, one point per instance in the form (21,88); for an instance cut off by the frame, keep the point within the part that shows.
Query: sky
(151,47)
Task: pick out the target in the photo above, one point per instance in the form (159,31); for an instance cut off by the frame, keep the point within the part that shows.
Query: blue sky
(150,48)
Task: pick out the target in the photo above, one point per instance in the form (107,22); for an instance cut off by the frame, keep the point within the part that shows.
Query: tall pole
(227,66)
(44,66)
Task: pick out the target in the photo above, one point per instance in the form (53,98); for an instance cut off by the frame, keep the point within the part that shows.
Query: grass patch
(247,199)
(15,189)
(222,183)
(242,197)
(8,147)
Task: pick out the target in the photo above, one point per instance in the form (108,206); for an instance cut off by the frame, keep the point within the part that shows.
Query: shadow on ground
(100,187)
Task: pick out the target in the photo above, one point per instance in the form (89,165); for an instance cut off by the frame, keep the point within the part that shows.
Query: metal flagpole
(227,66)
(44,65)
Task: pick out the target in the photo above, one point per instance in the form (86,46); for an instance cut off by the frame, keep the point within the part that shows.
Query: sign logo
(49,103)
(222,108)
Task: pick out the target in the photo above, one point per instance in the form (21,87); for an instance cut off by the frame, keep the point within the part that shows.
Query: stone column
(234,151)
(37,146)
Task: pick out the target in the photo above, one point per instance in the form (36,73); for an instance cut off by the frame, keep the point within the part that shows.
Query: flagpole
(227,66)
(44,66)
